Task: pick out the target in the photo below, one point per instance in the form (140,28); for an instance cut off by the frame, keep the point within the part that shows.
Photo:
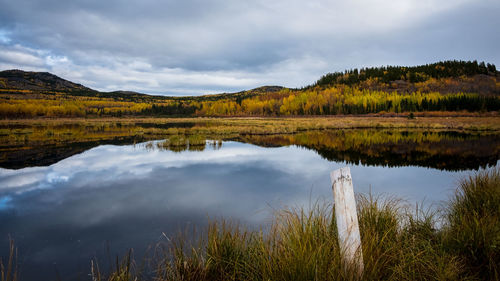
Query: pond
(105,197)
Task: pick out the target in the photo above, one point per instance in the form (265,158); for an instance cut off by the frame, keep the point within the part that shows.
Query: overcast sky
(193,47)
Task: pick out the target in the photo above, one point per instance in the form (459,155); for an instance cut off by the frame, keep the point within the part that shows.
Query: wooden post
(347,219)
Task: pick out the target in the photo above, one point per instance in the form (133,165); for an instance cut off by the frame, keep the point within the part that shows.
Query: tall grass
(124,270)
(473,230)
(398,243)
(9,272)
(459,242)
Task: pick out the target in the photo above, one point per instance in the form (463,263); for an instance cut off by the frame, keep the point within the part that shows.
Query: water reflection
(63,215)
(446,150)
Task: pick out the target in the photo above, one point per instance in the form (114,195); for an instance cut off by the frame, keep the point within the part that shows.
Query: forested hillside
(413,74)
(443,86)
(37,81)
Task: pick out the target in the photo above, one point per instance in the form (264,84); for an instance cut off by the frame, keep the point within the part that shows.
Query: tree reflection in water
(25,146)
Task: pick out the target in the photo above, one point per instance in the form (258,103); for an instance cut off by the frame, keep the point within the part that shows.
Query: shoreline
(289,124)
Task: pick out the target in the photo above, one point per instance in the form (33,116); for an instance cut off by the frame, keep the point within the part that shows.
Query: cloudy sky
(193,47)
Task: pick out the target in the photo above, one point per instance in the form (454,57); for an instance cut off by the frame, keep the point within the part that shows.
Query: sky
(195,47)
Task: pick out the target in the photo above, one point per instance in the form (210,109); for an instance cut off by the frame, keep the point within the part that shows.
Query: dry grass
(9,272)
(284,125)
(398,243)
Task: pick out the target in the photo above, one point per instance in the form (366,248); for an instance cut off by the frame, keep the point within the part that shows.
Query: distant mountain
(126,92)
(47,82)
(443,77)
(38,81)
(239,95)
(443,86)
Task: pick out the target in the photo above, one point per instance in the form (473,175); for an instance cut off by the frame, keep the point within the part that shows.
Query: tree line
(412,74)
(317,101)
(443,86)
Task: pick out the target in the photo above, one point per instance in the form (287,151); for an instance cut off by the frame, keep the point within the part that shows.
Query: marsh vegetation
(160,164)
(460,242)
(444,143)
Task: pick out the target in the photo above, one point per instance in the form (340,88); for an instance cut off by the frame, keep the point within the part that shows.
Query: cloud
(197,47)
(20,55)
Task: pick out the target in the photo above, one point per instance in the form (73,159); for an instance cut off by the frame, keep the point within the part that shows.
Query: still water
(110,198)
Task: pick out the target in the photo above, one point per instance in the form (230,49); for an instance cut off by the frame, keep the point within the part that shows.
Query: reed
(473,230)
(399,243)
(9,272)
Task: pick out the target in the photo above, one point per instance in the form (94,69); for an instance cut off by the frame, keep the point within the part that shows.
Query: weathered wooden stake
(347,219)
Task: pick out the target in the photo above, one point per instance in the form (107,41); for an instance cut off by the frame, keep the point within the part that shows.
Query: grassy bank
(398,244)
(269,125)
(442,142)
(459,242)
(36,132)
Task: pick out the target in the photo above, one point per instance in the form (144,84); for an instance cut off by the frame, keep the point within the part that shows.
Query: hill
(444,77)
(38,81)
(44,82)
(442,86)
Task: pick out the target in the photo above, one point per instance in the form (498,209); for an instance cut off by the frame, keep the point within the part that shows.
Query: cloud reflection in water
(62,215)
